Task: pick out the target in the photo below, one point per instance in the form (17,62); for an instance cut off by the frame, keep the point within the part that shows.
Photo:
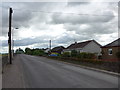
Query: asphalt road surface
(41,72)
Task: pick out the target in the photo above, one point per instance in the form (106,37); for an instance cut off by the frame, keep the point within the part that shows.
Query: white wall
(67,51)
(92,47)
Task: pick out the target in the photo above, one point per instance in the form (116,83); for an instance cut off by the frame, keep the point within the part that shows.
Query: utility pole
(9,35)
(50,46)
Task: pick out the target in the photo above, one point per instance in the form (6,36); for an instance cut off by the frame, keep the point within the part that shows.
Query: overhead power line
(6,7)
(61,12)
(64,13)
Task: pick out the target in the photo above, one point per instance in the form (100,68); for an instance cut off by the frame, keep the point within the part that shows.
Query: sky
(61,22)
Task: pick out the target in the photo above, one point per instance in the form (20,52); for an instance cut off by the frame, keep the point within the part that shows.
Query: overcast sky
(62,22)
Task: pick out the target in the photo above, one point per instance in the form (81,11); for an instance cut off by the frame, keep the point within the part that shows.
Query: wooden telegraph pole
(50,44)
(50,48)
(9,35)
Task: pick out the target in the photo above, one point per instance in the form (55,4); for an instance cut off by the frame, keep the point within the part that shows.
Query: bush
(74,53)
(66,54)
(90,55)
(78,55)
(81,55)
(84,55)
(38,52)
(28,51)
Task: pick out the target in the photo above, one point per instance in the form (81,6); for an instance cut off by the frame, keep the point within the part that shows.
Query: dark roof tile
(114,43)
(78,45)
(58,48)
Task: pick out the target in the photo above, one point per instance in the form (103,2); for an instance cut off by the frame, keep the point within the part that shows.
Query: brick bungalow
(110,50)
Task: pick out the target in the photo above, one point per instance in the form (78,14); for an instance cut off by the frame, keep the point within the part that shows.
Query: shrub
(66,54)
(74,53)
(28,51)
(38,52)
(90,55)
(81,55)
(84,55)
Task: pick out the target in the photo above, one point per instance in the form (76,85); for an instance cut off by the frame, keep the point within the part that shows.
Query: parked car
(53,54)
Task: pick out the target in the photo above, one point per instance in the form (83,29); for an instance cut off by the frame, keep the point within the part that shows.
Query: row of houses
(108,52)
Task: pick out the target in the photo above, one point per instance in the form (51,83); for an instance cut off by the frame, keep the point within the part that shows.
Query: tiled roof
(58,48)
(79,45)
(114,43)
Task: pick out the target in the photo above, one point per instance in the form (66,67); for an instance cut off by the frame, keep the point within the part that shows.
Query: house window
(109,51)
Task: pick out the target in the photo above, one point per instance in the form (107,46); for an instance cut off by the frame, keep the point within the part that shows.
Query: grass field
(3,55)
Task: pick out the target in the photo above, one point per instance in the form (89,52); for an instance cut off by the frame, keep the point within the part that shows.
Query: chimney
(75,42)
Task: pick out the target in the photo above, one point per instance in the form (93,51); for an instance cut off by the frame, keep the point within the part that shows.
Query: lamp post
(13,41)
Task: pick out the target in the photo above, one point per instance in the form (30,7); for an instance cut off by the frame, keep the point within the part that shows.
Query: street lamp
(13,42)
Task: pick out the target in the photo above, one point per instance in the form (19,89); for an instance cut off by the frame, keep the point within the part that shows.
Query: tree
(38,52)
(19,51)
(28,51)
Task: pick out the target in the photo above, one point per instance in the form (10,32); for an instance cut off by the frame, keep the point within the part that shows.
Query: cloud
(70,37)
(77,3)
(21,18)
(62,22)
(92,28)
(78,19)
(25,41)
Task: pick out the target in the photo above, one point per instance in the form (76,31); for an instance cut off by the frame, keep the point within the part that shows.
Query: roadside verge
(87,67)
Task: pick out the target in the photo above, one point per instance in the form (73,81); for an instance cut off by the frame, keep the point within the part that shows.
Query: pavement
(40,72)
(12,75)
(0,81)
(0,72)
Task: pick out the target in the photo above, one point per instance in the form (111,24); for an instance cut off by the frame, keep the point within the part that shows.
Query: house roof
(114,43)
(81,44)
(58,48)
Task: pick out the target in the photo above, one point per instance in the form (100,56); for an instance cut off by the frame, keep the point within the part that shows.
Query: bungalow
(58,49)
(109,51)
(90,46)
(47,50)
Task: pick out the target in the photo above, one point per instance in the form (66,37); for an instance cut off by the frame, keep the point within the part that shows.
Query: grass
(3,55)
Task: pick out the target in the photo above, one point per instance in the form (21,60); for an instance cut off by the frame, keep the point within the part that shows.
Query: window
(109,51)
(81,50)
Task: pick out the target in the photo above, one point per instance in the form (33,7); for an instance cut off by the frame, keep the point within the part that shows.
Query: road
(41,72)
